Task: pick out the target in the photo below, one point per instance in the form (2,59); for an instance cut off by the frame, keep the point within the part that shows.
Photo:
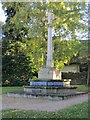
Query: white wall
(71,68)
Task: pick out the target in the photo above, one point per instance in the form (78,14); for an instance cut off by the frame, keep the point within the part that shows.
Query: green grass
(11,89)
(76,111)
(4,90)
(82,88)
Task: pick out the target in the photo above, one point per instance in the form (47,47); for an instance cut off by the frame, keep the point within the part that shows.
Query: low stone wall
(50,91)
(76,78)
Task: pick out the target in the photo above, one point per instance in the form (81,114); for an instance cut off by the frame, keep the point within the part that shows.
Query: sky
(2,16)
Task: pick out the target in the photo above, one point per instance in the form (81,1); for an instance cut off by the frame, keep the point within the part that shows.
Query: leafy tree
(64,51)
(16,65)
(88,76)
(65,25)
(25,34)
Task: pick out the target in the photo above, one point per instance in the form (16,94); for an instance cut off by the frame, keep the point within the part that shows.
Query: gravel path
(40,104)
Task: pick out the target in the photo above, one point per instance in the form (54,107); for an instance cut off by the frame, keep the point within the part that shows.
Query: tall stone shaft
(49,62)
(49,72)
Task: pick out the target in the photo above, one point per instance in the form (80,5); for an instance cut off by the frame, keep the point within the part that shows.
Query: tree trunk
(88,76)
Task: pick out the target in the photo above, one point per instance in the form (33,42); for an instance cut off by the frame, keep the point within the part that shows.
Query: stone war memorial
(49,81)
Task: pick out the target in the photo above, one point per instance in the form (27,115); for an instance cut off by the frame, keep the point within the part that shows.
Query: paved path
(40,104)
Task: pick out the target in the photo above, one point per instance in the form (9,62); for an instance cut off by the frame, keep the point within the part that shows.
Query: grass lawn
(11,89)
(4,90)
(82,88)
(76,111)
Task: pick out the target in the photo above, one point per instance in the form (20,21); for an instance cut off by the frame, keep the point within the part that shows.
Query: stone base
(50,83)
(49,90)
(49,86)
(49,74)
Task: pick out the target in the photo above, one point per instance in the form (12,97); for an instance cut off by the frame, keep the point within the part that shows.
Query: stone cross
(49,72)
(49,62)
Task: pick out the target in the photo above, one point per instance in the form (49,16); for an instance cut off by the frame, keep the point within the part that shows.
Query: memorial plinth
(49,73)
(50,83)
(49,88)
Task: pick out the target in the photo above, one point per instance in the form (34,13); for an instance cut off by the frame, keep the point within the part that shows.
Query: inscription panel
(33,83)
(36,91)
(55,83)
